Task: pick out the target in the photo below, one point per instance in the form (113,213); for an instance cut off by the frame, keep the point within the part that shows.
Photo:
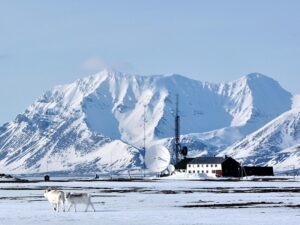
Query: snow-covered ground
(157,202)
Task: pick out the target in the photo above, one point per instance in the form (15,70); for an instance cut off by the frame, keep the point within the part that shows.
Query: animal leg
(87,206)
(92,206)
(70,207)
(54,206)
(63,204)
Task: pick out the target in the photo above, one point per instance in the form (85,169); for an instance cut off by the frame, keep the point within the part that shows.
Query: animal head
(46,192)
(67,195)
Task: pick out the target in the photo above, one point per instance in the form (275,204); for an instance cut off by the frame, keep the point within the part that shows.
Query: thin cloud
(97,63)
(3,56)
(124,66)
(94,63)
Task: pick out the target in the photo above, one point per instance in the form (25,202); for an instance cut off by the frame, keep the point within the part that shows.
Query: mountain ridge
(109,108)
(268,145)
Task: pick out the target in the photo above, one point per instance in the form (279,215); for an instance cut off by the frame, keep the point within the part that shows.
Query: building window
(190,171)
(193,171)
(202,171)
(211,165)
(202,165)
(206,171)
(198,171)
(216,165)
(189,165)
(213,171)
(198,165)
(206,165)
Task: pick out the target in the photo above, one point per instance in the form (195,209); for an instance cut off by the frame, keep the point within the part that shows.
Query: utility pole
(144,138)
(47,177)
(47,166)
(294,172)
(110,172)
(177,130)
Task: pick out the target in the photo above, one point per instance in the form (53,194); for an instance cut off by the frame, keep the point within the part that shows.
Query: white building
(205,165)
(209,166)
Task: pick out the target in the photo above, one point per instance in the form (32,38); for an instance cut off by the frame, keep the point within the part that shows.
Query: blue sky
(44,43)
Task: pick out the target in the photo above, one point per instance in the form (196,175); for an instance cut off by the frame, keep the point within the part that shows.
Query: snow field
(158,202)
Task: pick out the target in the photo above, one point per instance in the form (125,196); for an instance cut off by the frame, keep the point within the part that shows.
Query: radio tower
(144,138)
(177,130)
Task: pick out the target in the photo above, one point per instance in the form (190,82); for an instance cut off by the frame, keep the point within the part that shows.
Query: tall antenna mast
(110,169)
(47,177)
(144,138)
(177,130)
(47,165)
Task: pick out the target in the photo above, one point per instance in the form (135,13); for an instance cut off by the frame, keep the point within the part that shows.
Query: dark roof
(207,160)
(201,160)
(182,163)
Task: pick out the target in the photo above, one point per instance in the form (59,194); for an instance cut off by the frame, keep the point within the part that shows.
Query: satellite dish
(171,169)
(157,158)
(184,151)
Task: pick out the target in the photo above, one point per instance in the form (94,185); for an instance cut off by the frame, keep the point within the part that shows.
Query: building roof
(207,160)
(201,160)
(182,163)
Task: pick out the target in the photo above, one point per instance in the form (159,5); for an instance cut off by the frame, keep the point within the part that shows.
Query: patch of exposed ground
(262,204)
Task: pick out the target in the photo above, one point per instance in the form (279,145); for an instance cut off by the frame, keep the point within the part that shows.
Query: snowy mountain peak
(269,144)
(253,80)
(82,123)
(254,99)
(252,76)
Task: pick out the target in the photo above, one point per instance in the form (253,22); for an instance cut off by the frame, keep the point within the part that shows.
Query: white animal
(79,198)
(55,198)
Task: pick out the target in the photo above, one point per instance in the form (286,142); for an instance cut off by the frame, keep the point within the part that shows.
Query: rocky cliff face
(276,144)
(97,122)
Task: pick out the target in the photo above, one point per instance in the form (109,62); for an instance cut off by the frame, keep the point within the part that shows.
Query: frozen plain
(157,202)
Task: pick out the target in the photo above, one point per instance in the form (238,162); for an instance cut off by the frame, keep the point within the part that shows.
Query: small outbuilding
(257,171)
(46,178)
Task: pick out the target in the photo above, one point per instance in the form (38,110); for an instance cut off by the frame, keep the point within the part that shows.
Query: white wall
(208,169)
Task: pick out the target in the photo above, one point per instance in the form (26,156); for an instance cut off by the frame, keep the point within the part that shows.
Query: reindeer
(55,198)
(79,198)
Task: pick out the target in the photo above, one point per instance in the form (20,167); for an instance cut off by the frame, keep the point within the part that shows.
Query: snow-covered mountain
(276,144)
(98,121)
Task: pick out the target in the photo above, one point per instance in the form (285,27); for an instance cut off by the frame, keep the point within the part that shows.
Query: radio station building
(210,166)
